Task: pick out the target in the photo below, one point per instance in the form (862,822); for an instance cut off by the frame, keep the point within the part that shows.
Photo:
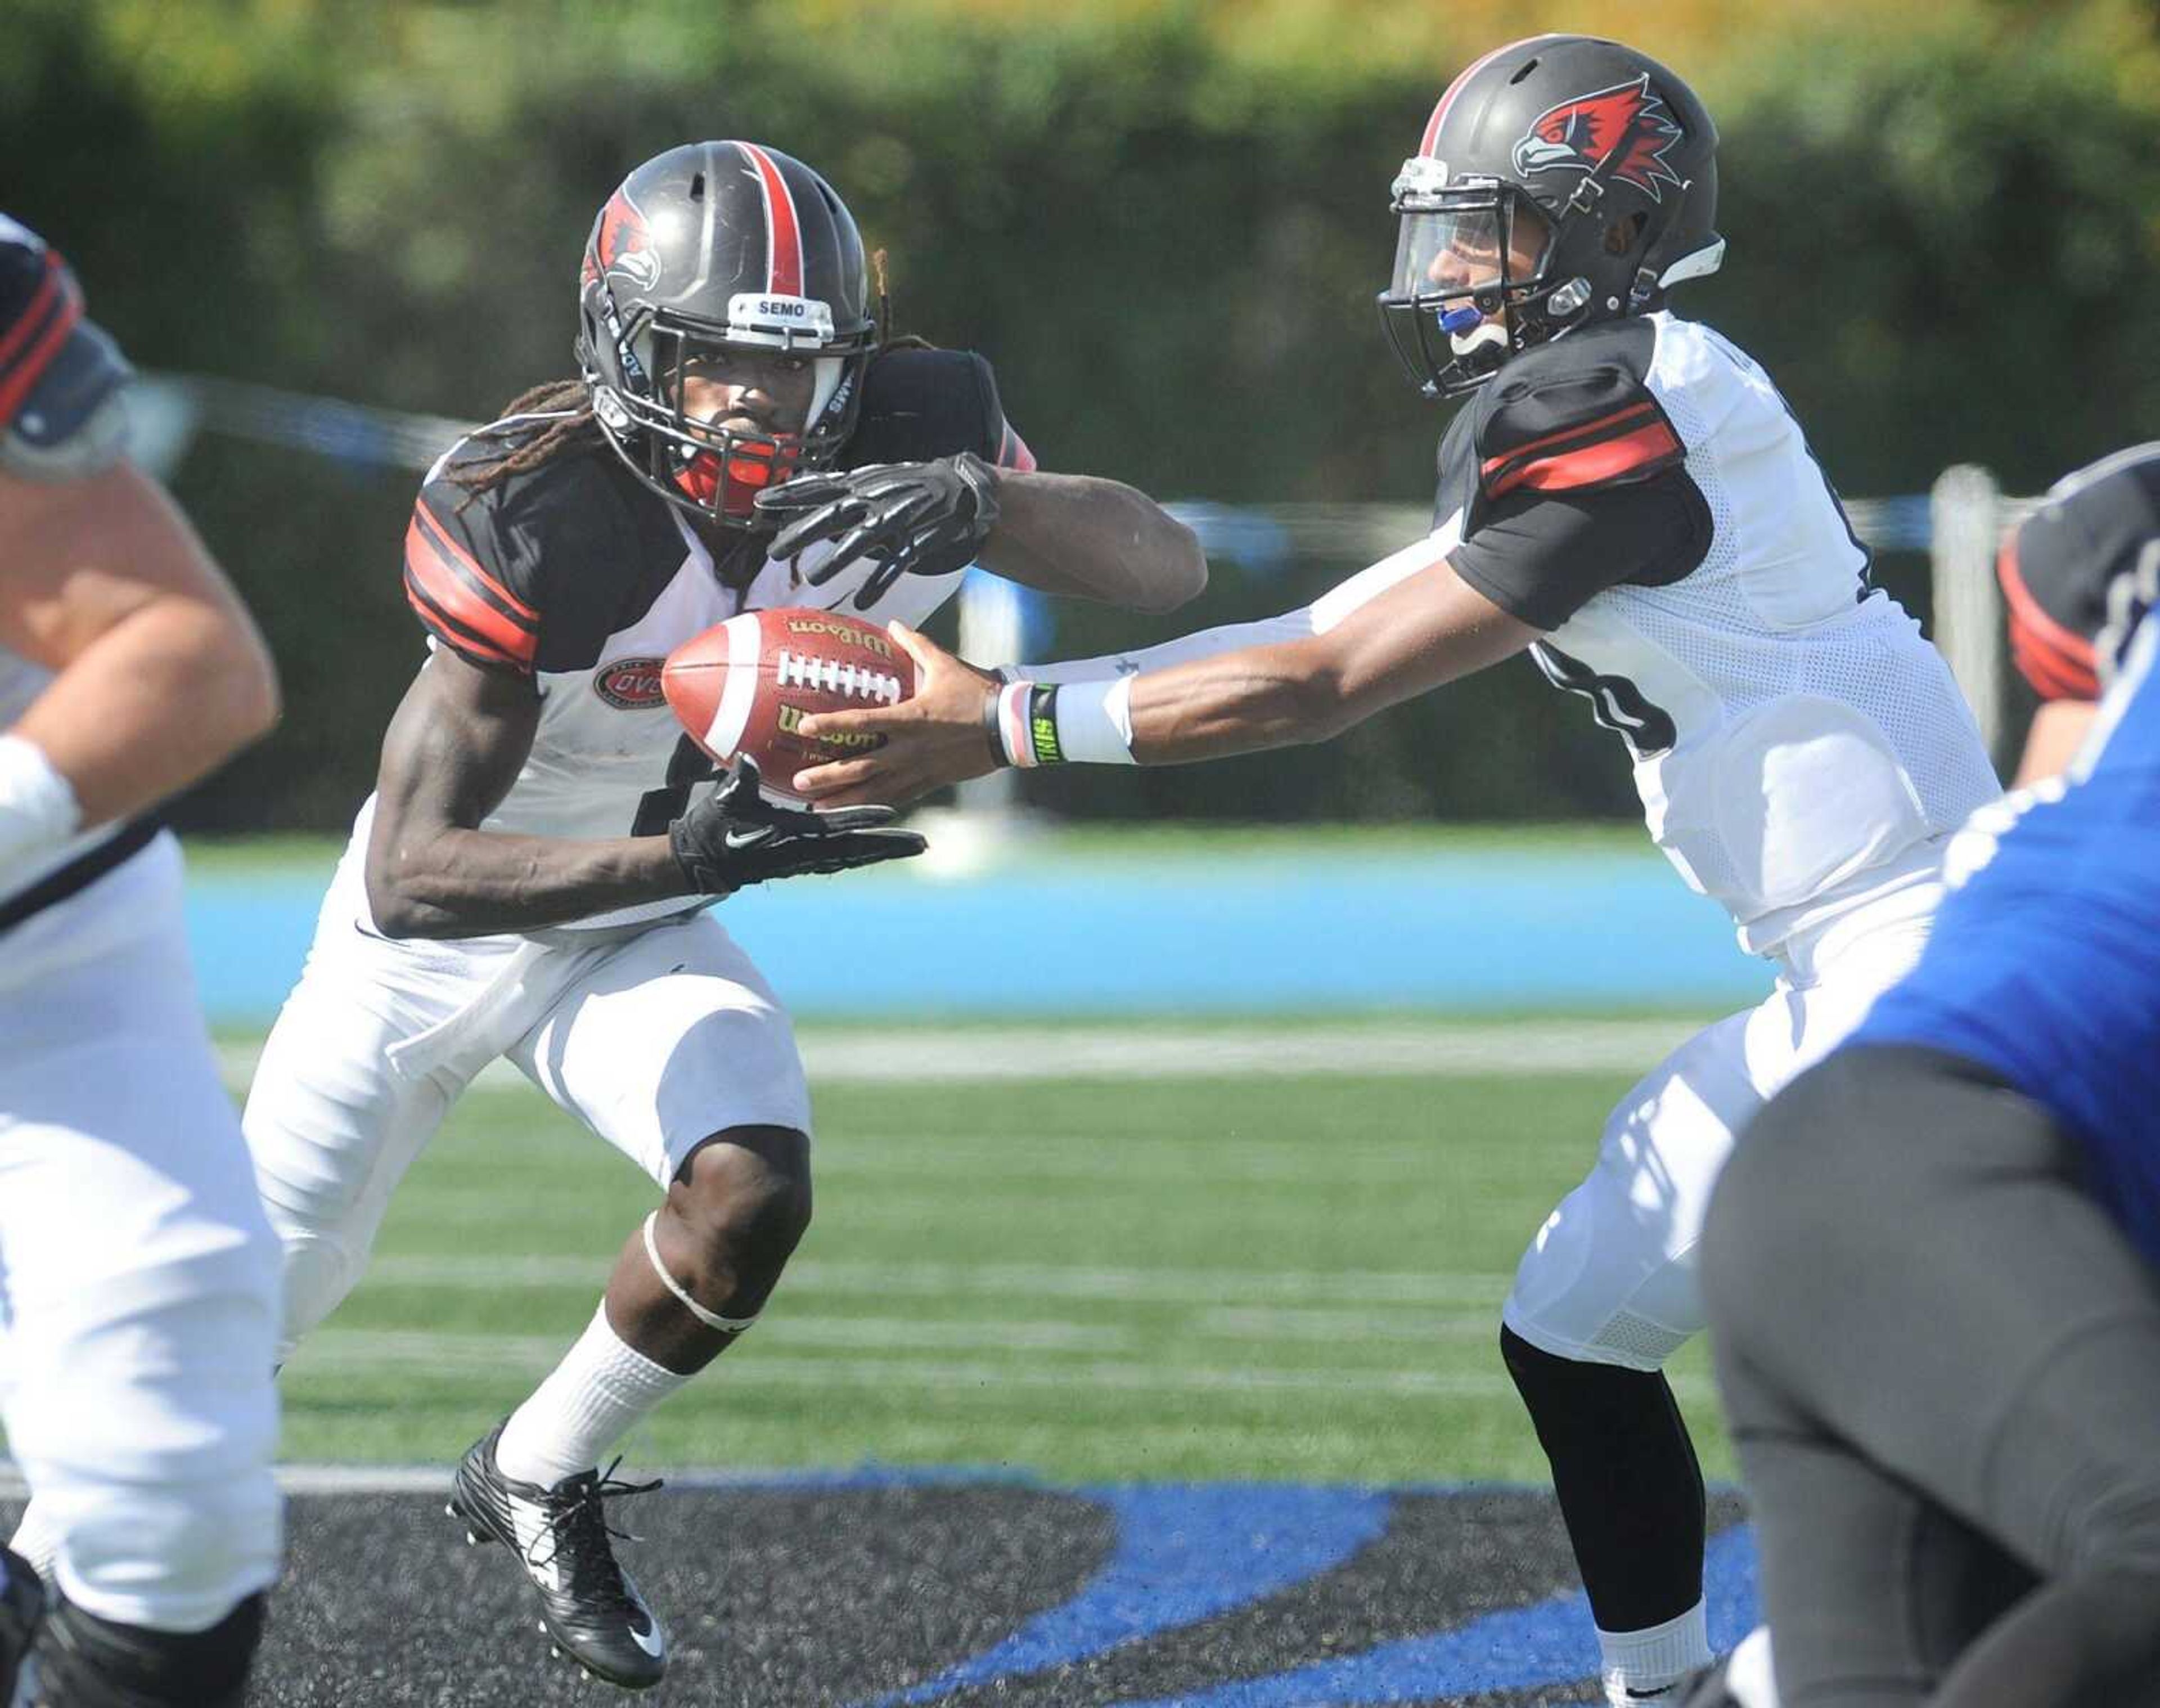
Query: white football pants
(139,1280)
(655,1039)
(1610,1277)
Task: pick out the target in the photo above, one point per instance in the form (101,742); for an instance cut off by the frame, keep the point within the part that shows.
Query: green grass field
(1266,1277)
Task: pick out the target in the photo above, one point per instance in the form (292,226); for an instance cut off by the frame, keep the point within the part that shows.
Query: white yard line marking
(1150,1286)
(1261,1322)
(369,1349)
(313,1479)
(1440,1049)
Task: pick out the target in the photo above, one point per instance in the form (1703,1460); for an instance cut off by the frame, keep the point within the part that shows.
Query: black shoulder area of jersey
(535,572)
(1573,414)
(921,404)
(2080,572)
(1458,468)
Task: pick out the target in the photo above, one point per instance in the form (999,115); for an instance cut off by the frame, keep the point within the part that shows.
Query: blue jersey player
(1933,1272)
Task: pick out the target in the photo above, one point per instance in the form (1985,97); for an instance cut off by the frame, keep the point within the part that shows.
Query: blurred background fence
(1164,223)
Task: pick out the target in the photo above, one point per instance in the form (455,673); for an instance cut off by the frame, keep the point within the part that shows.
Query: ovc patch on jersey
(630,685)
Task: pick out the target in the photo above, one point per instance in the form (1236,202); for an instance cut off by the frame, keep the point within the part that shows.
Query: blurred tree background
(1164,223)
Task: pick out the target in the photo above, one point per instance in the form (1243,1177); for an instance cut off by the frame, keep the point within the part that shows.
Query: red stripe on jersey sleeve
(1013,453)
(34,339)
(2052,676)
(430,571)
(1603,425)
(447,541)
(439,626)
(1635,453)
(2056,661)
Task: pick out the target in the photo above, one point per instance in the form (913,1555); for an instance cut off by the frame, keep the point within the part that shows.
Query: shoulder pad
(1574,414)
(919,404)
(60,377)
(2081,573)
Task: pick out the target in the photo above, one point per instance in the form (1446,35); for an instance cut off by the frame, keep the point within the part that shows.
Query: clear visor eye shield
(1457,247)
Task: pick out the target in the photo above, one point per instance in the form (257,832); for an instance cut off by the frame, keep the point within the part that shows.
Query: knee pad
(82,1661)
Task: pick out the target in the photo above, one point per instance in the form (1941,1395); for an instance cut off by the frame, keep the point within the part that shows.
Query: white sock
(37,1538)
(589,1402)
(1644,1662)
(1749,1677)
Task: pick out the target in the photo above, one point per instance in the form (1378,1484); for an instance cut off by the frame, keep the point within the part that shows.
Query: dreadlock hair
(572,400)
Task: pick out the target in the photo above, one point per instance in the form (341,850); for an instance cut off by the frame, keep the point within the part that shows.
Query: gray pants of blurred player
(1941,1361)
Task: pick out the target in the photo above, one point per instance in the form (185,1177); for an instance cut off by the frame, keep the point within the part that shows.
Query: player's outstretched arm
(1078,535)
(1082,536)
(1427,628)
(161,674)
(454,750)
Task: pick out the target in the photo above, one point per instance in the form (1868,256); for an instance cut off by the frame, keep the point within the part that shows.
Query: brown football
(744,686)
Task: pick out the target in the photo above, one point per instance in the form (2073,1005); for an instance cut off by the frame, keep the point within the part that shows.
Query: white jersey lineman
(140,1278)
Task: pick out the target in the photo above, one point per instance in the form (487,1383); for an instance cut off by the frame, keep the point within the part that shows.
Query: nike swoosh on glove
(735,836)
(914,518)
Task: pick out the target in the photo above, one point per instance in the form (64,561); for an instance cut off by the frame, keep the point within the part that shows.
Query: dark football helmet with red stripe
(709,250)
(1561,180)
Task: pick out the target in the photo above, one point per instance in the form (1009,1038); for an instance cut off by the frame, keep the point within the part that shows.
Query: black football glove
(735,836)
(915,518)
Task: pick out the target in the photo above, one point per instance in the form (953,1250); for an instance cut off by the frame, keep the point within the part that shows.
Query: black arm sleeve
(1541,556)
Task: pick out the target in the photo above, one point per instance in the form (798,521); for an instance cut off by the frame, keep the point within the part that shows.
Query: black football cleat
(589,1604)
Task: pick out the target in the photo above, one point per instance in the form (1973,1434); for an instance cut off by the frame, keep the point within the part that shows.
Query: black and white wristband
(1033,724)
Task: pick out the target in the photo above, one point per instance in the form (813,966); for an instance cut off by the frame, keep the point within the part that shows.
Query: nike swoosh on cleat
(651,1642)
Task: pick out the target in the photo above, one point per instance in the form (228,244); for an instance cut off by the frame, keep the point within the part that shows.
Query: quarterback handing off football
(746,685)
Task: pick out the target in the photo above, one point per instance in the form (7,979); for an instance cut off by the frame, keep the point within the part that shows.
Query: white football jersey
(1639,490)
(576,575)
(1796,741)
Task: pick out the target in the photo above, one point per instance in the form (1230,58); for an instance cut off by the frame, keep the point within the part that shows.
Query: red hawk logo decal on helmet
(623,245)
(1627,125)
